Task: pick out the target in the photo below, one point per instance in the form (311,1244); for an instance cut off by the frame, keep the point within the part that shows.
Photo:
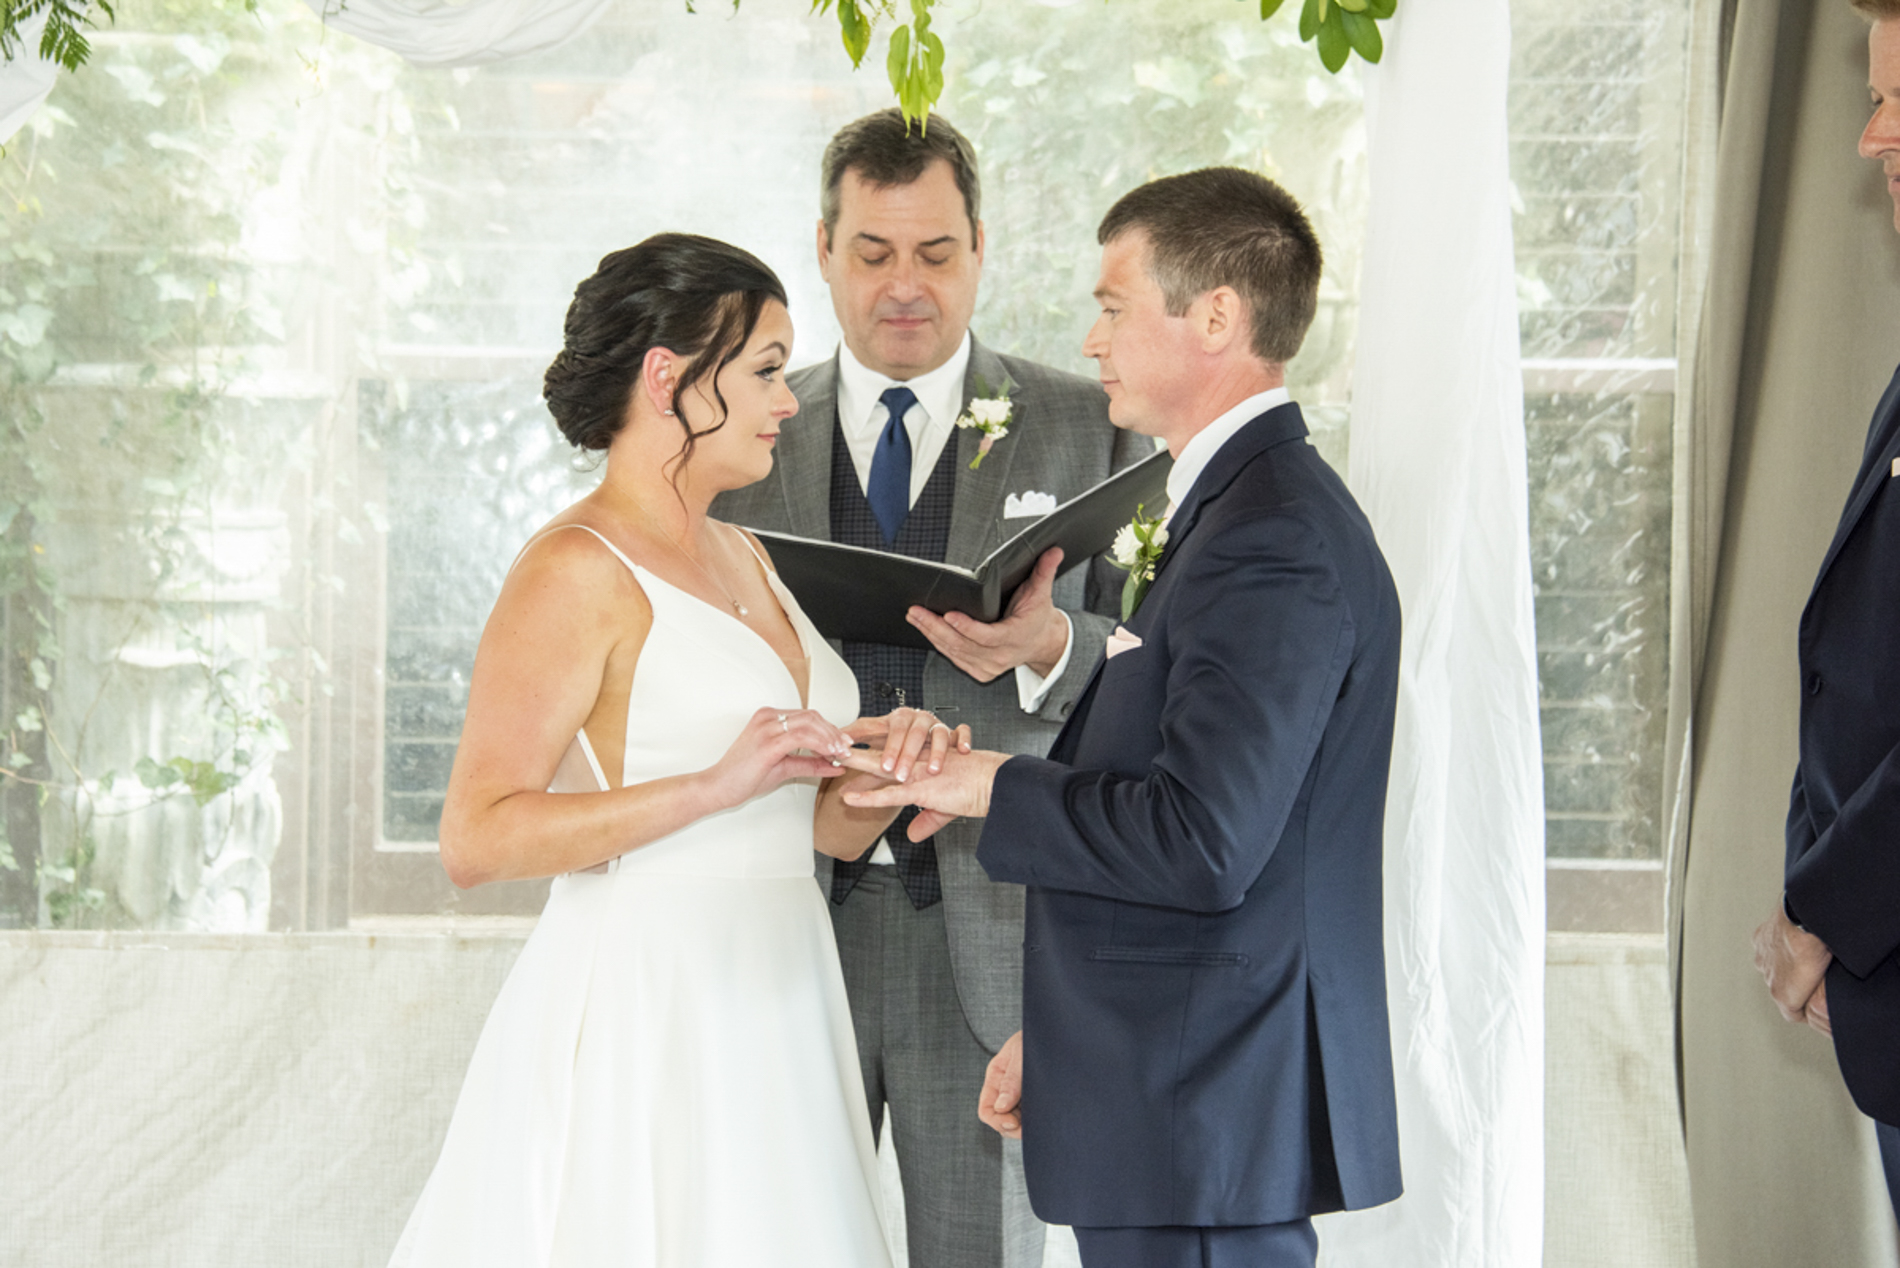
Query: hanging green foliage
(1338,28)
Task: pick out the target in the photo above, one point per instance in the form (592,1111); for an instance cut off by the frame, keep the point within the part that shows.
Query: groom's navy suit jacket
(1204,1010)
(1843,878)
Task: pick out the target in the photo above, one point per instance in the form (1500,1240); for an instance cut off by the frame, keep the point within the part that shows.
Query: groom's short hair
(1222,226)
(886,150)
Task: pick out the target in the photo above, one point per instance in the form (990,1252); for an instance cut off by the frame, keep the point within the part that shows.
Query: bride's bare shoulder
(571,561)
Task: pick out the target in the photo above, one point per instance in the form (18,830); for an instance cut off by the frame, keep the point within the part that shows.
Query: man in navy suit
(1205,1062)
(1831,950)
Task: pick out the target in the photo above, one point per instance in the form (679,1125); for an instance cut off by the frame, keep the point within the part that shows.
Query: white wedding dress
(669,1077)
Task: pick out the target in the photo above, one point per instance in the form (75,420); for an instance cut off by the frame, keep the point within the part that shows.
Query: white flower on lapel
(990,415)
(1029,502)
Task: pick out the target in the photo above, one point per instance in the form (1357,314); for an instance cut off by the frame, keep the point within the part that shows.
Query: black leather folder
(862,595)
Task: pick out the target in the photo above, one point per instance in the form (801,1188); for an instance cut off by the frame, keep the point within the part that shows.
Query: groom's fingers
(997,1105)
(928,823)
(888,795)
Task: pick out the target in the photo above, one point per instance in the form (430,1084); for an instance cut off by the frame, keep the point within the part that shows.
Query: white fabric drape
(25,81)
(1438,462)
(433,33)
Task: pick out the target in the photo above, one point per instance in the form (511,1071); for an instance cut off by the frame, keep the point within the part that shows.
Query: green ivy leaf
(1352,6)
(897,64)
(1334,47)
(856,30)
(1363,34)
(1381,9)
(1269,7)
(1309,21)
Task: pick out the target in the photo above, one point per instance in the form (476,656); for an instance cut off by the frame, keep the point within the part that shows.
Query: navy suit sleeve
(1800,830)
(1845,887)
(1260,635)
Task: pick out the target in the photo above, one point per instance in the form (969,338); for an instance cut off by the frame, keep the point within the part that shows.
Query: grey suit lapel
(803,467)
(978,506)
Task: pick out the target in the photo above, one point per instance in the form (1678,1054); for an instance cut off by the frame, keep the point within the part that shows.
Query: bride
(668,1078)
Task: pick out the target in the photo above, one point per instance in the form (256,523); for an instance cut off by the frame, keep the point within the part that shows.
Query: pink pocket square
(1121,641)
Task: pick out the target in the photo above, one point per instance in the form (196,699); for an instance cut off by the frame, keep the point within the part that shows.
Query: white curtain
(24,81)
(435,33)
(1438,462)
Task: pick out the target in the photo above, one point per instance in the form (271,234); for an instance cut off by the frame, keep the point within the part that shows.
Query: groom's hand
(962,789)
(1000,1105)
(1031,633)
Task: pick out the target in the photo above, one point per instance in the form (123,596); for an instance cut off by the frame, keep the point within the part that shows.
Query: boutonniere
(990,413)
(1137,548)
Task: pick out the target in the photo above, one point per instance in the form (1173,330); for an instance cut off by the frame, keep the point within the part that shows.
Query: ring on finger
(943,725)
(783,725)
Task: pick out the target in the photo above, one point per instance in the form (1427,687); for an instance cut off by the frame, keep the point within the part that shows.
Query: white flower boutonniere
(1138,548)
(990,414)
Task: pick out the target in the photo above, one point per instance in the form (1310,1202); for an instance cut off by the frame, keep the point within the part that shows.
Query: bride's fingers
(963,739)
(809,728)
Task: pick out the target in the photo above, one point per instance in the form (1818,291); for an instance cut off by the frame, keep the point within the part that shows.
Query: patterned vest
(889,676)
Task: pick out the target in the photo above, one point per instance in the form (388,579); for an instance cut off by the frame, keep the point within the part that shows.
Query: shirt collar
(1200,450)
(940,391)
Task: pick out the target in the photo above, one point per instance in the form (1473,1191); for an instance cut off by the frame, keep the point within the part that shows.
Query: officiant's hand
(1032,632)
(960,790)
(903,737)
(1000,1103)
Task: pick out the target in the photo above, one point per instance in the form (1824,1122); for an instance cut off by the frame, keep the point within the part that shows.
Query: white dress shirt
(930,421)
(1199,451)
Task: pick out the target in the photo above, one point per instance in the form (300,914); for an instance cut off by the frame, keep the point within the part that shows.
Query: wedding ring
(944,725)
(783,725)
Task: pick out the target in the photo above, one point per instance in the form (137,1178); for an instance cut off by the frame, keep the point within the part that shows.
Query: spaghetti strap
(631,566)
(751,546)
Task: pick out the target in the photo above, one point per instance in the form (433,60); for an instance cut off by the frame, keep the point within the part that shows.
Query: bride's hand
(906,735)
(776,745)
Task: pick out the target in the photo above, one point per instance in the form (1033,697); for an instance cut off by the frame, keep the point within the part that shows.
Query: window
(272,327)
(1597,152)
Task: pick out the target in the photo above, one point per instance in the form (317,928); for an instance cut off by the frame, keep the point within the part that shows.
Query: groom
(931,948)
(1204,1061)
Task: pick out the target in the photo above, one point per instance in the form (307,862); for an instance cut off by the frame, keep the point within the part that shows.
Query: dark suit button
(1814,684)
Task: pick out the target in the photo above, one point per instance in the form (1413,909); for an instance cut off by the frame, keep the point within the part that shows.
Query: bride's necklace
(680,550)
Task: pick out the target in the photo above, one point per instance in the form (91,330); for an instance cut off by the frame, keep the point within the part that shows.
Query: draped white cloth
(1438,462)
(25,81)
(434,33)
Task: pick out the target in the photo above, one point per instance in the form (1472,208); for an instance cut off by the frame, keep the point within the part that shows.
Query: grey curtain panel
(1799,332)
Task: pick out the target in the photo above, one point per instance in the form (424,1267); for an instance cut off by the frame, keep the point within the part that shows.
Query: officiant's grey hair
(886,150)
(1222,226)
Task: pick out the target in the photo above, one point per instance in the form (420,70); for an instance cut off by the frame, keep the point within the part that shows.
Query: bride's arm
(566,609)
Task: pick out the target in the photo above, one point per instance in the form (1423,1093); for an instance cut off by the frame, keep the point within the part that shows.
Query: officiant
(917,439)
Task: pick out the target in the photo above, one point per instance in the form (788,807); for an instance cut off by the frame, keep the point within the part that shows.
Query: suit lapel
(1275,427)
(978,505)
(1883,443)
(803,465)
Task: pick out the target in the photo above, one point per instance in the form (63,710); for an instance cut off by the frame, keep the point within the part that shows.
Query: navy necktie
(888,489)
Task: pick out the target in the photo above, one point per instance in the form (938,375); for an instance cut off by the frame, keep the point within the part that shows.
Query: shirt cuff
(1031,687)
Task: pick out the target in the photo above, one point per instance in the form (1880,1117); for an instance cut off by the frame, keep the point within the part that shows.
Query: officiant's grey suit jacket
(1060,442)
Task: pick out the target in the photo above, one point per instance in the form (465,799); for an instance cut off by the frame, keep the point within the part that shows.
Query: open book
(861,595)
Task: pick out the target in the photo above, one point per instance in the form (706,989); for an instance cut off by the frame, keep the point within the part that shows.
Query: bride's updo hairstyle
(698,297)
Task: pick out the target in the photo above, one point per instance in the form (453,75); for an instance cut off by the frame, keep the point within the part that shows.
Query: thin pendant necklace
(680,550)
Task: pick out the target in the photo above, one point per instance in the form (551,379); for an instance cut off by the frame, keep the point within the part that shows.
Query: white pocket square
(1022,505)
(1121,641)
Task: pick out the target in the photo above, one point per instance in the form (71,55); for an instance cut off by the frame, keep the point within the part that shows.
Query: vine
(1336,28)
